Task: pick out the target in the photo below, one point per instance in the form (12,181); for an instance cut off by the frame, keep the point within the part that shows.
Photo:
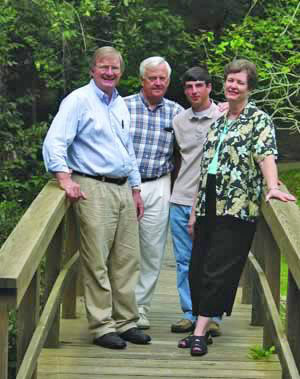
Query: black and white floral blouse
(239,181)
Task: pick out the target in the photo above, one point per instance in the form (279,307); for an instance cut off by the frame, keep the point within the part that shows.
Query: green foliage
(269,42)
(283,288)
(291,179)
(12,342)
(259,353)
(45,48)
(22,174)
(10,213)
(283,277)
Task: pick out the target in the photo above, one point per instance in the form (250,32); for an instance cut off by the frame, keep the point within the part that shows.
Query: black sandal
(187,341)
(199,346)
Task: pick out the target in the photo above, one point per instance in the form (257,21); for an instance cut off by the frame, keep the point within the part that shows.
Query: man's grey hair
(153,62)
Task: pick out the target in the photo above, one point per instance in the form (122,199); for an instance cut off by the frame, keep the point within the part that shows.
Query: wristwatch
(136,188)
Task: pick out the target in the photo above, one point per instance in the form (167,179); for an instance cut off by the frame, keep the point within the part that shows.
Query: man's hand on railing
(71,188)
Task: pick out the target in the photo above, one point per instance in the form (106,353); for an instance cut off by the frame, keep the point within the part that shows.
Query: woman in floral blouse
(238,155)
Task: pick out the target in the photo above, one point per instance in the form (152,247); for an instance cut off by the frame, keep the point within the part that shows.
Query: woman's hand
(269,170)
(276,193)
(223,107)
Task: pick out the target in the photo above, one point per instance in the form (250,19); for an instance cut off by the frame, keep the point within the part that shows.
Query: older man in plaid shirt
(153,139)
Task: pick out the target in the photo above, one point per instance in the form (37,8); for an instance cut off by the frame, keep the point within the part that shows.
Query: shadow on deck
(227,357)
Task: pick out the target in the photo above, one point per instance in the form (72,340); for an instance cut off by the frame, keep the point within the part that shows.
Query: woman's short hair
(238,65)
(106,51)
(195,74)
(153,62)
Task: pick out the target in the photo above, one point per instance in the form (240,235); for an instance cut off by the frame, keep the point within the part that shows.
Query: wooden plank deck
(77,358)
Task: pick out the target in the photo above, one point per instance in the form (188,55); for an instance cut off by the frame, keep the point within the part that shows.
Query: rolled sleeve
(60,136)
(134,176)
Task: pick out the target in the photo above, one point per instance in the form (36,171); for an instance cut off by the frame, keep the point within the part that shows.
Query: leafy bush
(259,353)
(291,179)
(12,342)
(10,213)
(44,51)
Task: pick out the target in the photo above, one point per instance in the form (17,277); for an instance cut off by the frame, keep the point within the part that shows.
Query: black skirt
(220,249)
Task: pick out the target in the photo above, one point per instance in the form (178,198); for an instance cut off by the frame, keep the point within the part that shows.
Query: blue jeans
(182,247)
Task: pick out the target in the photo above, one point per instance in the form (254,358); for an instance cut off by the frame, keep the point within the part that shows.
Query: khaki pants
(153,233)
(109,255)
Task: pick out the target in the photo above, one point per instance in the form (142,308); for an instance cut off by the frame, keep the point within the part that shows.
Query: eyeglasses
(114,69)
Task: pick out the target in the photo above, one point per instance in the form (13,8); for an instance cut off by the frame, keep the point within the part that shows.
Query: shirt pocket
(91,126)
(164,141)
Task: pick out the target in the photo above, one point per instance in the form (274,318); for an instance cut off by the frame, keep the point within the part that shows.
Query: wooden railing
(46,239)
(277,235)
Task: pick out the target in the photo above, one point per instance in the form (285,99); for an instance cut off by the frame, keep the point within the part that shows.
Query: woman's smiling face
(236,87)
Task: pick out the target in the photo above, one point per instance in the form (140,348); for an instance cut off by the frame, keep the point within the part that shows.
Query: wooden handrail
(284,222)
(24,249)
(39,337)
(286,357)
(278,233)
(43,232)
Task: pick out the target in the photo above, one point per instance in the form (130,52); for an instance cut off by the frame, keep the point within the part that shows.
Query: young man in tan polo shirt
(190,128)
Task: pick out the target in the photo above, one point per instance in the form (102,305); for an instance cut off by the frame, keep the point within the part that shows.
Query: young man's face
(197,93)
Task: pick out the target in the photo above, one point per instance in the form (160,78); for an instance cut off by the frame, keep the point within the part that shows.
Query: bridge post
(53,264)
(257,316)
(271,258)
(27,318)
(293,318)
(71,247)
(3,341)
(247,284)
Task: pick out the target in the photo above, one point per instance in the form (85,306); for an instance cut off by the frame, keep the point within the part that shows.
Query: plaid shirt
(152,134)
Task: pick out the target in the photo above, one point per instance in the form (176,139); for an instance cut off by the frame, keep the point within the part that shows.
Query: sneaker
(214,329)
(143,322)
(183,326)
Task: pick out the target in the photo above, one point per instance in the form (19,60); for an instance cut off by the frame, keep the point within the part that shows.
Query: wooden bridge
(53,340)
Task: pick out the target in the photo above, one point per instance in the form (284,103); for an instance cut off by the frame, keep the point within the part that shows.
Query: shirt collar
(102,95)
(209,114)
(246,113)
(158,105)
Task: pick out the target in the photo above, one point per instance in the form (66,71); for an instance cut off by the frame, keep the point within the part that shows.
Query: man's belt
(119,181)
(153,178)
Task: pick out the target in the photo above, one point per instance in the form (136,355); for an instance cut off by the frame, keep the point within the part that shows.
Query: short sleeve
(263,138)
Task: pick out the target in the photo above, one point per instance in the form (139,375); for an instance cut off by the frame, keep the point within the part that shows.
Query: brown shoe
(183,326)
(214,329)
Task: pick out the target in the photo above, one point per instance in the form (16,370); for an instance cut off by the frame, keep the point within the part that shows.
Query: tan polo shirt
(190,132)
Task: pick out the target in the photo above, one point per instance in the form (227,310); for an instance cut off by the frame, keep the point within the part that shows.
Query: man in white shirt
(89,150)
